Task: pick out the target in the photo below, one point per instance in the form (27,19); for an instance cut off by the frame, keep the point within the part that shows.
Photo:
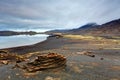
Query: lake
(21,40)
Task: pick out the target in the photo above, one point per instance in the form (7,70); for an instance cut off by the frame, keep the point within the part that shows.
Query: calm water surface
(20,40)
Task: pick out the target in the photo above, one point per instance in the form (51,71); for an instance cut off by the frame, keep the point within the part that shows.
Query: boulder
(87,53)
(57,35)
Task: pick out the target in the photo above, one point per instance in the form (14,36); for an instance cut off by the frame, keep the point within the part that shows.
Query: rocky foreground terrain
(82,57)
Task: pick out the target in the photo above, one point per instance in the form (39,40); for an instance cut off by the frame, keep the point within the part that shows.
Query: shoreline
(21,40)
(40,46)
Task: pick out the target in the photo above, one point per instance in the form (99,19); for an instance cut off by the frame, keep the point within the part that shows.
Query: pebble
(49,78)
(17,74)
(5,62)
(101,58)
(9,77)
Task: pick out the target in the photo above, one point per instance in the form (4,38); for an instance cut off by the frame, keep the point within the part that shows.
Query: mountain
(84,29)
(111,28)
(89,25)
(56,31)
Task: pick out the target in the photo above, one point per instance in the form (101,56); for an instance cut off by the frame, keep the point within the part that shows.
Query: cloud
(55,14)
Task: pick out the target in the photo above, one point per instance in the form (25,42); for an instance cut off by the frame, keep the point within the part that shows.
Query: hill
(111,28)
(10,33)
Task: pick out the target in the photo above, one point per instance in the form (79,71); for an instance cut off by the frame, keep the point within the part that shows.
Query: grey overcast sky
(56,14)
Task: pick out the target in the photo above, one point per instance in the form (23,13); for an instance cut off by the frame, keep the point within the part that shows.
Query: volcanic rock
(46,61)
(10,57)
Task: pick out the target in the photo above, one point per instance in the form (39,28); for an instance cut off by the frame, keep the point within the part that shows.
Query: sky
(42,15)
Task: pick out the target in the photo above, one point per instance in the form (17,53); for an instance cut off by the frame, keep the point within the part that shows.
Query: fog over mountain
(42,15)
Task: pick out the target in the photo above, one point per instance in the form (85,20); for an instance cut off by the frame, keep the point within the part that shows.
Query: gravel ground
(104,66)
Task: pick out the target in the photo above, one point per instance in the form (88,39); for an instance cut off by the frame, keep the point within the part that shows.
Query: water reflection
(20,40)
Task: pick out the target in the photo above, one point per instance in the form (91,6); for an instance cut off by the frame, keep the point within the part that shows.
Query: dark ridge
(10,33)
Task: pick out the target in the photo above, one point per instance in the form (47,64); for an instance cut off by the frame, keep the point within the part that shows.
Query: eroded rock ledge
(46,61)
(39,62)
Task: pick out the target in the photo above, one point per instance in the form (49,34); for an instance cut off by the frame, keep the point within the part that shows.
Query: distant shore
(11,33)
